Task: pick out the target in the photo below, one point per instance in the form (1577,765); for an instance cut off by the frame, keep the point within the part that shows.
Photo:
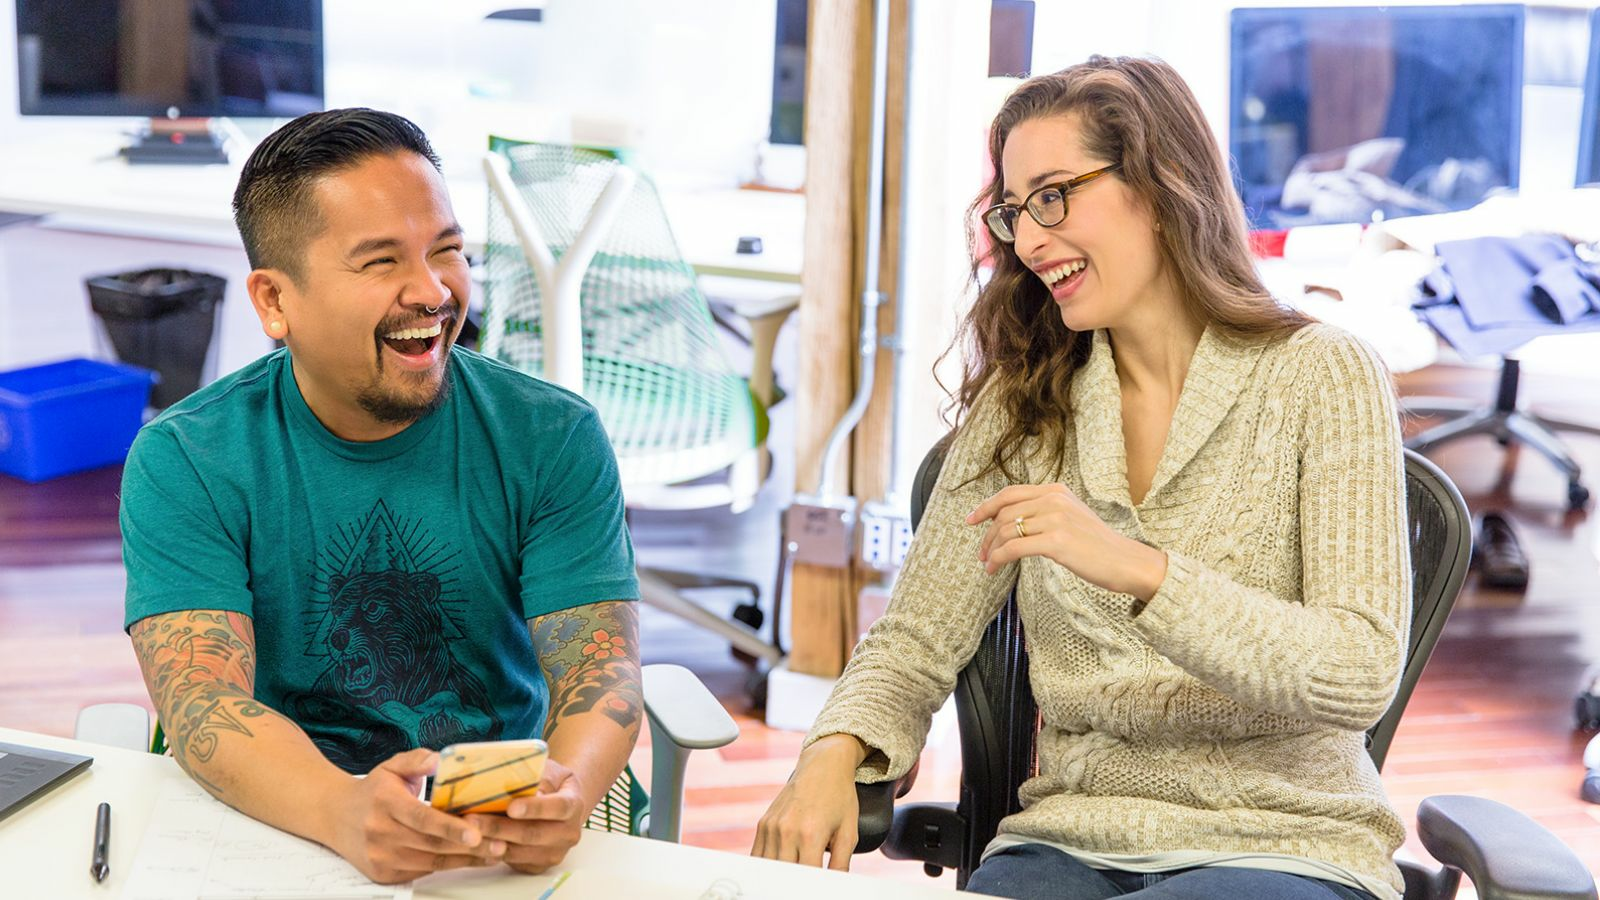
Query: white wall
(689,80)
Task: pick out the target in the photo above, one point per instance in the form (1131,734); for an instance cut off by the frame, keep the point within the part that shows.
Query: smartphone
(485,777)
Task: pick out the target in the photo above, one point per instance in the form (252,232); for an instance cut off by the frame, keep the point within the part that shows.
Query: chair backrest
(672,403)
(1441,547)
(995,710)
(641,302)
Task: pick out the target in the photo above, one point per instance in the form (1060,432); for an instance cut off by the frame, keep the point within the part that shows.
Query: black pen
(100,868)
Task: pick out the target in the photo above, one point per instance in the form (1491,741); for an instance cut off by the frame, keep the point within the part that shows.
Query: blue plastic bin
(69,416)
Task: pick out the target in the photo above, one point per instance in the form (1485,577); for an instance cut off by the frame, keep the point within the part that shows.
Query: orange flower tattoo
(598,669)
(604,646)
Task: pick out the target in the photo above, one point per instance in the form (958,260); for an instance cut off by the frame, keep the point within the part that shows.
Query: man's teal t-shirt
(389,583)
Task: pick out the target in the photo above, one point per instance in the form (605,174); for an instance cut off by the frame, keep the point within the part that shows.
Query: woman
(1199,497)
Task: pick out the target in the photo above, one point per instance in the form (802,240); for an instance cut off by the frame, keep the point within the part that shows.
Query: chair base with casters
(1505,422)
(1503,852)
(683,717)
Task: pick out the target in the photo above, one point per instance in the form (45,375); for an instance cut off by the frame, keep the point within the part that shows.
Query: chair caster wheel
(749,614)
(1588,711)
(1577,496)
(755,685)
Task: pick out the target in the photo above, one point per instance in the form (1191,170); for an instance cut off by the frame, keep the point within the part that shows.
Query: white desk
(72,173)
(45,849)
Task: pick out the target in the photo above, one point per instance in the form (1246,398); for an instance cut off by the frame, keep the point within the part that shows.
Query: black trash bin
(161,319)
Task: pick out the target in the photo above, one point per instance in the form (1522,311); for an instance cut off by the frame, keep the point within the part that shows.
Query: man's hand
(538,831)
(392,837)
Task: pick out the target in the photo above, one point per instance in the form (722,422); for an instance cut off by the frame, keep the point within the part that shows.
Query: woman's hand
(1056,525)
(817,809)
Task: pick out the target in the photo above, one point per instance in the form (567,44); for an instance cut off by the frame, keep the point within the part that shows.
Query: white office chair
(584,287)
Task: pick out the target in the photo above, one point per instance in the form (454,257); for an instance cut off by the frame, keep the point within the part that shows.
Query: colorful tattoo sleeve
(590,658)
(200,668)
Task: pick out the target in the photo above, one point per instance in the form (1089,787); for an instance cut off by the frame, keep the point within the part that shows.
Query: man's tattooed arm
(200,668)
(590,658)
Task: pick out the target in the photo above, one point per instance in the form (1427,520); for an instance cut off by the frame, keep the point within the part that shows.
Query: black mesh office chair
(1504,853)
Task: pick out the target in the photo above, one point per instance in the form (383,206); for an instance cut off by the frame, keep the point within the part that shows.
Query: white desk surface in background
(45,849)
(72,173)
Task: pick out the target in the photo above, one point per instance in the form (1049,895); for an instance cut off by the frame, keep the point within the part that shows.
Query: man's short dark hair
(273,204)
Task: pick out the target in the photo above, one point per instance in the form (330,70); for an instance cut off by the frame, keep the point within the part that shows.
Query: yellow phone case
(487,776)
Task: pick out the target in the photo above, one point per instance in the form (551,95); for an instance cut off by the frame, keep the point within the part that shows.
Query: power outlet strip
(884,536)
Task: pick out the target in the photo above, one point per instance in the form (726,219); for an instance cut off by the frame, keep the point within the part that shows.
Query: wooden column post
(949,74)
(838,85)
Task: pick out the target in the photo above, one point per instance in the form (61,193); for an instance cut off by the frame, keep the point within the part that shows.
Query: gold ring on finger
(1022,530)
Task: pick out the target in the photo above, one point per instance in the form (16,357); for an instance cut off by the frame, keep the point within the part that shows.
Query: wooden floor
(1492,715)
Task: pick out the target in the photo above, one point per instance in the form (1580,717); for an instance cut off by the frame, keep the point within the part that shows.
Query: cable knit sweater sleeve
(906,666)
(1332,655)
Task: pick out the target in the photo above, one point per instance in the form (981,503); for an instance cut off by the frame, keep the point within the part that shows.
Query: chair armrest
(122,725)
(683,711)
(1507,855)
(876,802)
(683,717)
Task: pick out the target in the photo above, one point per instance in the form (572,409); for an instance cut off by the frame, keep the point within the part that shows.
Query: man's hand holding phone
(383,831)
(538,831)
(512,793)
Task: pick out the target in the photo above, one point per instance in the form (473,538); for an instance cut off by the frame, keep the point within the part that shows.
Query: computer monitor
(1589,135)
(1011,38)
(789,74)
(192,59)
(1350,114)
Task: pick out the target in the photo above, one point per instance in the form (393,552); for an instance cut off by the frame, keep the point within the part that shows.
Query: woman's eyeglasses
(1047,206)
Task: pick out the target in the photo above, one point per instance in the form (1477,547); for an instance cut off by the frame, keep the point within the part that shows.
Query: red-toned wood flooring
(1492,715)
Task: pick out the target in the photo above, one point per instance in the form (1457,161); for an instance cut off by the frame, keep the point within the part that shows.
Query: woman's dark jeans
(1041,872)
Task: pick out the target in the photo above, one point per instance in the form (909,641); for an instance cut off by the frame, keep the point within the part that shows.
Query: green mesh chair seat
(672,404)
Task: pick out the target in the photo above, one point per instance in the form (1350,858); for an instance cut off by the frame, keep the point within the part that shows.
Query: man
(372,544)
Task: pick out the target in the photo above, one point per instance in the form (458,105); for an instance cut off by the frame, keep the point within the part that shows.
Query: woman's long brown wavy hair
(1140,113)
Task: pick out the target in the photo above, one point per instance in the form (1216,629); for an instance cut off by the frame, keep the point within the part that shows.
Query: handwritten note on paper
(198,848)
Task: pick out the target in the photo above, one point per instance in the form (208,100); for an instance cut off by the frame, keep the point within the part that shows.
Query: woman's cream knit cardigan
(1228,714)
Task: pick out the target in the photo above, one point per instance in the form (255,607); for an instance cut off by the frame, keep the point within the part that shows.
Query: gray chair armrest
(683,717)
(683,711)
(1507,855)
(876,815)
(122,725)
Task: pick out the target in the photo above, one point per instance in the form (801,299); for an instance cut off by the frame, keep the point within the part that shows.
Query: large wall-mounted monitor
(188,58)
(1350,114)
(1589,136)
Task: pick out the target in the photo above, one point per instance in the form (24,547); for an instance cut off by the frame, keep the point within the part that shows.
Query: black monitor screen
(183,57)
(1350,114)
(1589,137)
(789,74)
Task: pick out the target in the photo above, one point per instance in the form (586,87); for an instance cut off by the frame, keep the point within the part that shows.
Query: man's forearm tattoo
(590,657)
(200,669)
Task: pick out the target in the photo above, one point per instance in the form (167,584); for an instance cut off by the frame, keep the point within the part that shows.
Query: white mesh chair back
(673,406)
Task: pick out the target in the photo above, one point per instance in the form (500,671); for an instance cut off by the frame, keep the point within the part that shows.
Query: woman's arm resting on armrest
(816,811)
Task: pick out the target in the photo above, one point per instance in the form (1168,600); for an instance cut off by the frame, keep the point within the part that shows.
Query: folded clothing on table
(1491,295)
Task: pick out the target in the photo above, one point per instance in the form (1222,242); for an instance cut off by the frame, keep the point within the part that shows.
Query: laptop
(27,773)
